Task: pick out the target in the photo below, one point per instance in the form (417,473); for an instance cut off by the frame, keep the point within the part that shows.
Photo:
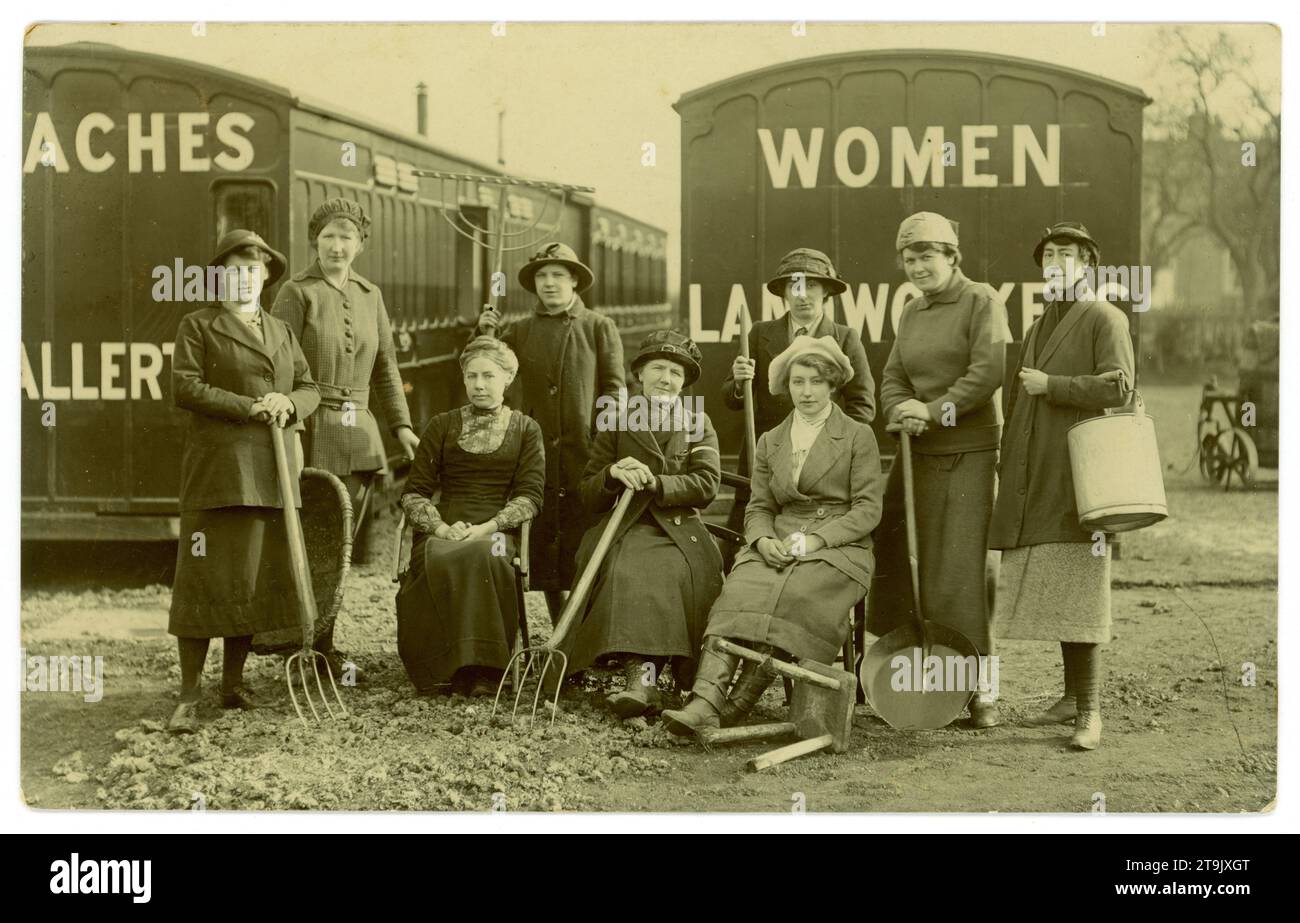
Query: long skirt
(1058,591)
(640,604)
(458,607)
(954,503)
(233,575)
(802,609)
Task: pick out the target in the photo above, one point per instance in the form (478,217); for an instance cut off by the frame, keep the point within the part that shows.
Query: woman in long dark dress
(651,599)
(941,384)
(478,475)
(816,497)
(235,369)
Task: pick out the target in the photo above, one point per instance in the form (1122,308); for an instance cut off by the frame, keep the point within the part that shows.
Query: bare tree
(1214,164)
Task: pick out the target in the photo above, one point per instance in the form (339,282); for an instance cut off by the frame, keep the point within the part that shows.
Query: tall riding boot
(641,691)
(709,694)
(750,685)
(1062,711)
(1087,724)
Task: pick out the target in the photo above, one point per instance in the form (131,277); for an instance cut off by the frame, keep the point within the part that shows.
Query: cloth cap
(926,227)
(826,347)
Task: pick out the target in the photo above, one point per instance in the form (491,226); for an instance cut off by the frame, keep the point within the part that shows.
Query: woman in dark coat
(652,596)
(1054,582)
(235,368)
(816,497)
(941,384)
(477,477)
(341,321)
(569,356)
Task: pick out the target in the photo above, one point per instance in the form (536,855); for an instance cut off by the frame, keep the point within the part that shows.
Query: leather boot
(709,694)
(749,688)
(638,696)
(1063,711)
(1087,731)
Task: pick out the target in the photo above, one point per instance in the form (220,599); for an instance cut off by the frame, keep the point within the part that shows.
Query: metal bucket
(1118,481)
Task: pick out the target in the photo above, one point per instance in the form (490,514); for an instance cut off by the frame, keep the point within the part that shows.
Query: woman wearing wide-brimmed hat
(341,321)
(816,497)
(1053,584)
(477,477)
(806,281)
(235,368)
(652,596)
(941,384)
(568,357)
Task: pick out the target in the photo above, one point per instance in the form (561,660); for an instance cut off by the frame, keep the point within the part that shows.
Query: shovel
(899,669)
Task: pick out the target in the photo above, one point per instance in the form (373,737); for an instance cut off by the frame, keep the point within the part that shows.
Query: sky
(581,101)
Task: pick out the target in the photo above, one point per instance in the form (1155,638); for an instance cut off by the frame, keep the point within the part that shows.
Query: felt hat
(809,263)
(238,239)
(1070,230)
(671,345)
(804,345)
(556,253)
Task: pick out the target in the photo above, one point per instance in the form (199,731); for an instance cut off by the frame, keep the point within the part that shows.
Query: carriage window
(244,205)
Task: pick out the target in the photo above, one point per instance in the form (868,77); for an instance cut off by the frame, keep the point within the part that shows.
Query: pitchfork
(306,598)
(576,603)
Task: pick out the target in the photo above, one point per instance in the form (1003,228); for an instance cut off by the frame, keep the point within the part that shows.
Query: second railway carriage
(833,152)
(135,164)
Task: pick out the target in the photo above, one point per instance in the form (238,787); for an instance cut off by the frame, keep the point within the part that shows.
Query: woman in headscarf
(1054,582)
(652,595)
(235,369)
(478,476)
(941,384)
(815,499)
(341,321)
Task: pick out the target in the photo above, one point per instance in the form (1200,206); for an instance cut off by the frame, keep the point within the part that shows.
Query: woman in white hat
(815,499)
(941,385)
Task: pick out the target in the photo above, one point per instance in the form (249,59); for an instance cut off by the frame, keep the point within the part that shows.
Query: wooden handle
(789,752)
(909,512)
(297,546)
(578,597)
(711,736)
(747,391)
(777,666)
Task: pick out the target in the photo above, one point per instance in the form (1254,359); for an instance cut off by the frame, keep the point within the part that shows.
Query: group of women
(822,528)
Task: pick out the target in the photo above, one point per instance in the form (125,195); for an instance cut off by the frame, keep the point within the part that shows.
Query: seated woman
(816,495)
(651,598)
(477,476)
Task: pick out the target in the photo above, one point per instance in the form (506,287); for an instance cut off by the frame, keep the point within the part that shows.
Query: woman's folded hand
(774,553)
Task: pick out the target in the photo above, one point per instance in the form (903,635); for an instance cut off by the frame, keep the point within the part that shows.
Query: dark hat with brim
(564,256)
(233,241)
(673,346)
(1069,230)
(809,263)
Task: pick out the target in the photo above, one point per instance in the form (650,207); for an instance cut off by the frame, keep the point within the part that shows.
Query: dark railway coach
(135,164)
(834,152)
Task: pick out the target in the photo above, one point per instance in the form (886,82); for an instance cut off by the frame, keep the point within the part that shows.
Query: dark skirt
(641,603)
(242,583)
(457,608)
(802,609)
(954,502)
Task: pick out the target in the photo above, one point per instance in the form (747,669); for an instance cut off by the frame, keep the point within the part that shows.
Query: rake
(298,660)
(549,653)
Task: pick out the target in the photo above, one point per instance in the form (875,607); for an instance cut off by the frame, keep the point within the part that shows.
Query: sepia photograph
(711,418)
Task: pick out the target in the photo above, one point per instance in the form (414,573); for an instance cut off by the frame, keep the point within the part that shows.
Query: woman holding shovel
(235,369)
(340,319)
(940,384)
(815,499)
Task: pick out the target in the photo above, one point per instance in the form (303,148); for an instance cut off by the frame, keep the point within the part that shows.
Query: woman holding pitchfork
(235,369)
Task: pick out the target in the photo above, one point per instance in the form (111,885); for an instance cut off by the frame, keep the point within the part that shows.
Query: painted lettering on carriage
(857,159)
(97,143)
(127,371)
(870,308)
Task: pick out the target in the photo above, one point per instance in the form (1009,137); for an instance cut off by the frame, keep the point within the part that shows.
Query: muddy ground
(1182,731)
